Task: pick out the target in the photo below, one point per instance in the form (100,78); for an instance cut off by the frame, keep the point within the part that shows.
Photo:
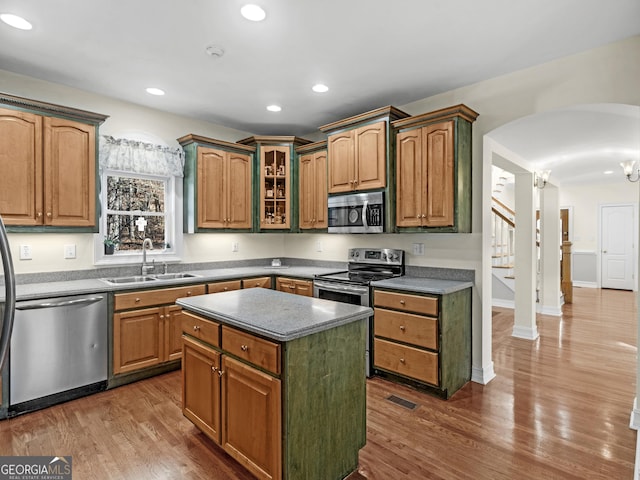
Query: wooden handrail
(503,217)
(494,199)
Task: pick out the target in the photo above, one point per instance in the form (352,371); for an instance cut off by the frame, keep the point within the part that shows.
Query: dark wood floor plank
(558,409)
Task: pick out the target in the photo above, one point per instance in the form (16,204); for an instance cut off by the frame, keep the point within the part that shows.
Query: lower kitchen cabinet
(226,286)
(282,410)
(423,340)
(295,285)
(147,328)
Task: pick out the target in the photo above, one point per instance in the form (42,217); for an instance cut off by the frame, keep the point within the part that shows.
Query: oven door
(347,293)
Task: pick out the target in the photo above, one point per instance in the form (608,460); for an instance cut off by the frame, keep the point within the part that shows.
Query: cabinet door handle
(214,369)
(244,348)
(49,214)
(220,372)
(161,317)
(39,214)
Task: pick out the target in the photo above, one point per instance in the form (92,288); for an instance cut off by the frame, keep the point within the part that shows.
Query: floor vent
(402,402)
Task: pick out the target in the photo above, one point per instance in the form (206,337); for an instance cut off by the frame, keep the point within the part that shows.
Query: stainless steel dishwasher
(58,351)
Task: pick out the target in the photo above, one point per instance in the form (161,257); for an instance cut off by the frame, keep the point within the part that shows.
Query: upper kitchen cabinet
(312,173)
(217,184)
(433,171)
(275,194)
(48,162)
(359,149)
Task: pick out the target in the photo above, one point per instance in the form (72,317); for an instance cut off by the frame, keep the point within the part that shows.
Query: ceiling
(370,53)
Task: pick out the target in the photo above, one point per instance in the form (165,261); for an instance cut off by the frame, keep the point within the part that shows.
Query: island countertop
(272,314)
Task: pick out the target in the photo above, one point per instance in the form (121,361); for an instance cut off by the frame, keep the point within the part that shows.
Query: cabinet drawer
(262,282)
(407,361)
(260,352)
(224,286)
(406,327)
(202,329)
(165,296)
(408,303)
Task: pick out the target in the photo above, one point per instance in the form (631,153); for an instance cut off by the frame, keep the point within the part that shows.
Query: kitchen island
(277,380)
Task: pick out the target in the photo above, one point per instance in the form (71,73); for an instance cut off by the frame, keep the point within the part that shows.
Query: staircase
(503,253)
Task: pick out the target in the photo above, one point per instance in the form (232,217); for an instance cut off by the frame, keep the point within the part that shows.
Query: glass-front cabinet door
(275,187)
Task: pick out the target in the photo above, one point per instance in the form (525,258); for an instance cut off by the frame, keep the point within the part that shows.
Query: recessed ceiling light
(155,91)
(608,172)
(15,21)
(253,13)
(274,108)
(320,88)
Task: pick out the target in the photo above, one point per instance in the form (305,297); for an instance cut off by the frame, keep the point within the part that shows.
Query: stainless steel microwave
(356,213)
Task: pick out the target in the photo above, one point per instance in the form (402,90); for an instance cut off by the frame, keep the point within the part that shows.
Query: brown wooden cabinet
(276,197)
(217,184)
(147,327)
(224,189)
(234,403)
(295,285)
(224,286)
(312,171)
(48,169)
(258,282)
(423,339)
(358,159)
(433,170)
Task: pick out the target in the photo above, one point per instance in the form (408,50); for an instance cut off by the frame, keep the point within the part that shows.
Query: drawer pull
(402,302)
(196,328)
(402,327)
(189,293)
(137,300)
(402,360)
(244,348)
(161,317)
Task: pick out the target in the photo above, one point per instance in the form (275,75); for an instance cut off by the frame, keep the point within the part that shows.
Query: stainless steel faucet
(147,268)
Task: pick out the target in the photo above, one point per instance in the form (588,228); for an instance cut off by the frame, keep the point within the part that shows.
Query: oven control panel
(377,256)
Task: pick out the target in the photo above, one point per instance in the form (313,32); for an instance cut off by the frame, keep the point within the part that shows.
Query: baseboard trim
(585,284)
(498,302)
(553,311)
(483,375)
(634,421)
(527,333)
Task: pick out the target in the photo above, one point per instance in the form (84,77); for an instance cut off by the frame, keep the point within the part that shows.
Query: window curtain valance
(139,157)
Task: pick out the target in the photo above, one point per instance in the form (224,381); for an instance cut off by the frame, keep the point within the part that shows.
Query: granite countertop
(31,291)
(276,315)
(423,285)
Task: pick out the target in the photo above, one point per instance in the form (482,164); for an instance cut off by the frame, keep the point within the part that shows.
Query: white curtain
(138,157)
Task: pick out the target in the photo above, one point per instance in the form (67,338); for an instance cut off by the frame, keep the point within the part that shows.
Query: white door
(618,266)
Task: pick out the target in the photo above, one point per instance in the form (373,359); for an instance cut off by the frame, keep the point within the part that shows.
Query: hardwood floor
(558,409)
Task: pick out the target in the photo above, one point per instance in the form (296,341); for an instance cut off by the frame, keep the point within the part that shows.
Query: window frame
(172,220)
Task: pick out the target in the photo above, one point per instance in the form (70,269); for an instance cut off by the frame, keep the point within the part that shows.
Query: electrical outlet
(70,251)
(418,248)
(318,245)
(235,246)
(25,252)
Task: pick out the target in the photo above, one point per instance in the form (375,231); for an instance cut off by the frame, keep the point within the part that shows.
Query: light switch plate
(25,252)
(418,248)
(70,251)
(235,246)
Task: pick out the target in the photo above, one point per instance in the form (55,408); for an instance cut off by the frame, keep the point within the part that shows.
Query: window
(140,195)
(135,210)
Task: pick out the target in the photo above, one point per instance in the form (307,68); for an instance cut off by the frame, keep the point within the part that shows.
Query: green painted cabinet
(423,340)
(285,410)
(433,171)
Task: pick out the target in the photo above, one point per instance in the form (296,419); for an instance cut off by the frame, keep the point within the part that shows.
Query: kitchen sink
(147,278)
(131,279)
(171,276)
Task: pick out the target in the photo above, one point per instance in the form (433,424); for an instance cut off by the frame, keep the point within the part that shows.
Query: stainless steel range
(365,265)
